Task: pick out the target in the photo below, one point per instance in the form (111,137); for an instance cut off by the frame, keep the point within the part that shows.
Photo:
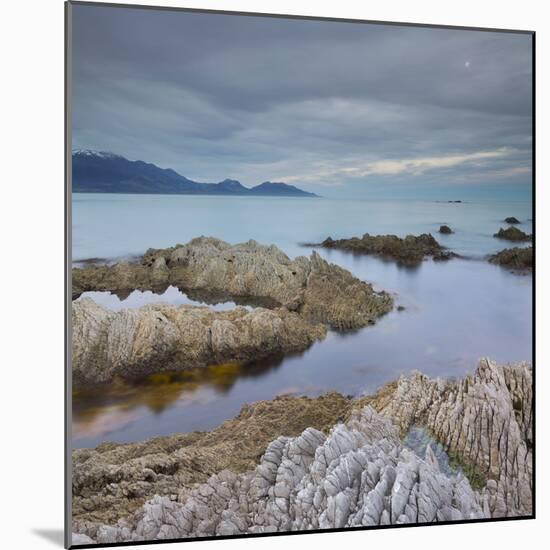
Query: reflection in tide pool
(138,298)
(102,409)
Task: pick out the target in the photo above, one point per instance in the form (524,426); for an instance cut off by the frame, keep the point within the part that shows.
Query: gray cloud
(318,103)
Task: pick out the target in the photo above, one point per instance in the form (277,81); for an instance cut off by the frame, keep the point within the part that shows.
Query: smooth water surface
(455,312)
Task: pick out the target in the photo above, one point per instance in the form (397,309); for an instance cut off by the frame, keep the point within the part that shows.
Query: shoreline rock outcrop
(135,342)
(516,259)
(513,234)
(319,291)
(355,471)
(410,250)
(485,420)
(445,230)
(511,220)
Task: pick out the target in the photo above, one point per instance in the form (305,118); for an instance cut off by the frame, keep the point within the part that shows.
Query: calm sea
(455,312)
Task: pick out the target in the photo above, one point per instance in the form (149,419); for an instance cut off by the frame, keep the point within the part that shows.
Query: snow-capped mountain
(105,172)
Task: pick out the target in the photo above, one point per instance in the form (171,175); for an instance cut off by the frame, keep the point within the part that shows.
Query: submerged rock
(358,472)
(516,259)
(319,291)
(160,337)
(410,250)
(511,219)
(445,230)
(513,234)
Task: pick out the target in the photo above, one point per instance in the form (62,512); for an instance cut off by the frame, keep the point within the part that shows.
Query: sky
(340,109)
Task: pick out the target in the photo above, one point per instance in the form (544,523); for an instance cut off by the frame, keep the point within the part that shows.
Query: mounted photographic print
(300,259)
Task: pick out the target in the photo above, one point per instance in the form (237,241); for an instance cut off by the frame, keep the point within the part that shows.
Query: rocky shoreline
(319,291)
(298,463)
(304,295)
(158,338)
(409,251)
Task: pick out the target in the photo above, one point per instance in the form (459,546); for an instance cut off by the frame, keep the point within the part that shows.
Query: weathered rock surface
(511,219)
(320,291)
(445,230)
(513,234)
(161,337)
(516,259)
(485,420)
(410,250)
(358,474)
(113,480)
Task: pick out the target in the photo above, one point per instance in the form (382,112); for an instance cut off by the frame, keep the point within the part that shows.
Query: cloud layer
(328,106)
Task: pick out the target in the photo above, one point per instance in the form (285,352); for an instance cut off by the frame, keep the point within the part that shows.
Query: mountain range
(102,172)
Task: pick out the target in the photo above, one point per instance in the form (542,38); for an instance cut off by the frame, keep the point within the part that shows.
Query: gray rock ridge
(358,475)
(320,291)
(135,342)
(485,420)
(359,472)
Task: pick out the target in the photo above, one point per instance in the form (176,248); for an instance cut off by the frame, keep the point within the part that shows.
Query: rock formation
(356,473)
(161,337)
(112,481)
(207,267)
(485,420)
(516,259)
(511,220)
(408,251)
(513,234)
(445,230)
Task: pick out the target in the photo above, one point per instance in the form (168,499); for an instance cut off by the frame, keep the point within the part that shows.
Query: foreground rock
(516,259)
(410,250)
(484,420)
(207,268)
(511,220)
(445,230)
(358,472)
(155,338)
(112,481)
(513,234)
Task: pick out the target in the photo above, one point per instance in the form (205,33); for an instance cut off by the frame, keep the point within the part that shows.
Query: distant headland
(102,172)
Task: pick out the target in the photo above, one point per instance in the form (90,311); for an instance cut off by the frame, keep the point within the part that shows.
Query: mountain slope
(278,188)
(102,172)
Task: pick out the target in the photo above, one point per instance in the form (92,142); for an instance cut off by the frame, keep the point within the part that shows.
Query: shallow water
(139,298)
(110,226)
(418,439)
(455,312)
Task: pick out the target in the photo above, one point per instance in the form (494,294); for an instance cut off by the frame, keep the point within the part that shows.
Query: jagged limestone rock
(485,420)
(358,474)
(207,268)
(161,337)
(113,480)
